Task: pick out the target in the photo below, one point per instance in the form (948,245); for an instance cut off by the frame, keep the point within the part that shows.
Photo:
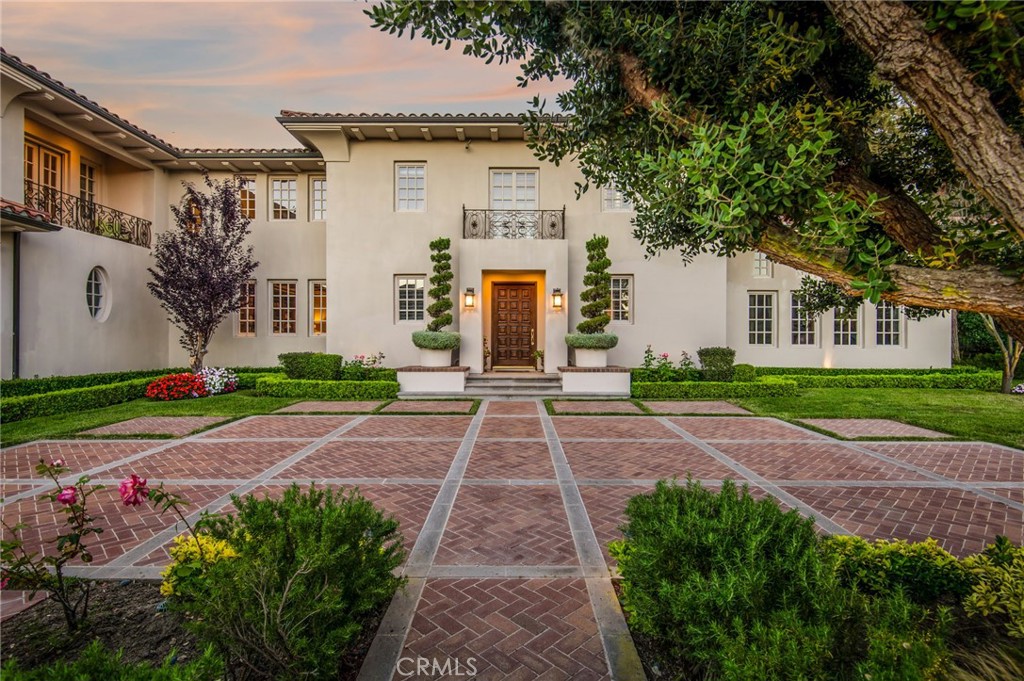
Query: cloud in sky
(216,74)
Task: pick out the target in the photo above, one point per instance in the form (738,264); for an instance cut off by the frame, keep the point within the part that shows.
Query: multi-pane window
(247,196)
(283,307)
(318,198)
(514,189)
(622,296)
(612,199)
(317,308)
(845,327)
(247,313)
(44,167)
(762,266)
(803,323)
(887,324)
(96,293)
(761,318)
(409,291)
(411,187)
(283,198)
(87,182)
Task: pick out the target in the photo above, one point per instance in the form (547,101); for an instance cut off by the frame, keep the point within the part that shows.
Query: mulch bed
(123,615)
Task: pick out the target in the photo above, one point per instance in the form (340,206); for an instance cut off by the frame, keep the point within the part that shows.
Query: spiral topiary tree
(440,316)
(597,298)
(439,310)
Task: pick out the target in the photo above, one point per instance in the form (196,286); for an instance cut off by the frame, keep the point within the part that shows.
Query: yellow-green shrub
(192,555)
(998,589)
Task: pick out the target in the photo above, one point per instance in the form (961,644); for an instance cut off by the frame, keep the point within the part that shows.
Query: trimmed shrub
(730,587)
(311,366)
(744,373)
(591,341)
(998,589)
(312,570)
(439,311)
(73,400)
(717,363)
(436,340)
(924,571)
(983,380)
(665,375)
(697,390)
(822,371)
(596,298)
(96,662)
(273,386)
(184,386)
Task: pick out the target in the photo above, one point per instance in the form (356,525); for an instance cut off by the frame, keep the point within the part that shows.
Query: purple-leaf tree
(202,262)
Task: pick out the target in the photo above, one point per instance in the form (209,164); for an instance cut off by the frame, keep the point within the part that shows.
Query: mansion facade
(341,227)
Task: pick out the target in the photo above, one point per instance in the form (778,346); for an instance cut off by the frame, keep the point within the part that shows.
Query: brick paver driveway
(507,514)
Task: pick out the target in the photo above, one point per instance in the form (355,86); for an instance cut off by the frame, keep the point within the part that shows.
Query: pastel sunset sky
(215,74)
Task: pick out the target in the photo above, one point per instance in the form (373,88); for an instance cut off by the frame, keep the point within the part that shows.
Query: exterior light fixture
(469,297)
(556,299)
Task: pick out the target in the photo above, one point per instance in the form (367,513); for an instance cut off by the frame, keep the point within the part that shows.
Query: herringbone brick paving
(339,406)
(595,407)
(969,462)
(492,525)
(512,628)
(311,427)
(871,428)
(400,406)
(156,425)
(694,407)
(825,461)
(522,524)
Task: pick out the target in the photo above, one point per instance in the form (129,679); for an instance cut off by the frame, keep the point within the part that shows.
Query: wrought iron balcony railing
(71,211)
(480,223)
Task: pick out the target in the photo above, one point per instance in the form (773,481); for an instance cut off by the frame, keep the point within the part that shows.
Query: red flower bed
(177,387)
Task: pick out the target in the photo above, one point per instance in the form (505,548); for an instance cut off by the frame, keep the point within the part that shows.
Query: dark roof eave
(35,224)
(411,119)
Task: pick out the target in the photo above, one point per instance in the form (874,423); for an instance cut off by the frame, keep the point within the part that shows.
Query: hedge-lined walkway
(507,513)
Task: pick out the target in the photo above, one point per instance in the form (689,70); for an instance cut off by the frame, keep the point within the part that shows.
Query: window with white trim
(803,325)
(246,314)
(613,200)
(409,297)
(513,189)
(283,308)
(283,198)
(410,187)
(761,318)
(888,324)
(96,294)
(317,308)
(87,182)
(845,327)
(247,196)
(762,266)
(318,198)
(44,165)
(622,298)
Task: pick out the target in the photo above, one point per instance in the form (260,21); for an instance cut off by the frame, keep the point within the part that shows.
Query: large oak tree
(876,145)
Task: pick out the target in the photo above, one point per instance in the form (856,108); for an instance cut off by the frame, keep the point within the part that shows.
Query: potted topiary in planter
(590,341)
(436,345)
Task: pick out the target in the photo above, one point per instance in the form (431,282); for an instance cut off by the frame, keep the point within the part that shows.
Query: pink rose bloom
(133,490)
(664,355)
(57,463)
(68,496)
(3,583)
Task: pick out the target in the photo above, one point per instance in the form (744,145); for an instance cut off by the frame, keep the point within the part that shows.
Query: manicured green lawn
(233,405)
(965,414)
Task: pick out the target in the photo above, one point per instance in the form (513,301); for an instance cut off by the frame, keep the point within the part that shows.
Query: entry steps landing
(507,384)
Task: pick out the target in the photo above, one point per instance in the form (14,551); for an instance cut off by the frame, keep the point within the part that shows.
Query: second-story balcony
(482,223)
(71,211)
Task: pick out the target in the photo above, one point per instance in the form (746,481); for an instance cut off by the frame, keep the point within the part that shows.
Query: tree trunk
(955,338)
(197,352)
(960,111)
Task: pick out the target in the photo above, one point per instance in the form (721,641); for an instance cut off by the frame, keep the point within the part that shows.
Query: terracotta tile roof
(46,78)
(24,211)
(250,152)
(511,117)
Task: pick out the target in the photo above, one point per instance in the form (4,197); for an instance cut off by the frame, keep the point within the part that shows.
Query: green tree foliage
(440,316)
(783,127)
(596,298)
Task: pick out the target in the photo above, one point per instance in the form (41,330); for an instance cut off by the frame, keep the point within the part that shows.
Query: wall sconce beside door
(469,297)
(556,299)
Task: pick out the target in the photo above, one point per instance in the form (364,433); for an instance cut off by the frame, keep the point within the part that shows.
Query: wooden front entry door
(514,323)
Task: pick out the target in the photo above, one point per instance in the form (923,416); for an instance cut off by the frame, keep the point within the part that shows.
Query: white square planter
(591,358)
(435,358)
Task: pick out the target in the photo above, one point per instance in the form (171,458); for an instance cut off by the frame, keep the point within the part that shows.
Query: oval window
(97,294)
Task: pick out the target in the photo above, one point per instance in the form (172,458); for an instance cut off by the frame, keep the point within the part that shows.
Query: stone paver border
(869,428)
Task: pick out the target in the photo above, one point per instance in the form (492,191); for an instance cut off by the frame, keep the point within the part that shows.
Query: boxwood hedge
(689,390)
(982,380)
(17,387)
(274,386)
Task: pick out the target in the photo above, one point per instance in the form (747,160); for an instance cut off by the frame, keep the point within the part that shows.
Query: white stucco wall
(923,343)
